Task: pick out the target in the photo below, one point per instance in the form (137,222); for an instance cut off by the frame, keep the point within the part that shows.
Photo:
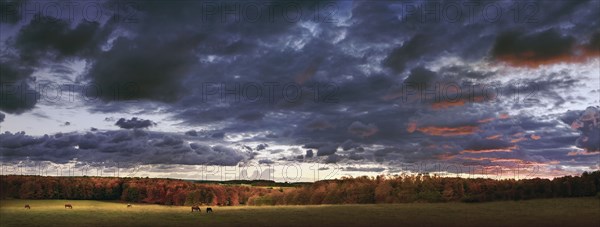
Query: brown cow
(208,210)
(27,206)
(68,205)
(194,208)
(128,205)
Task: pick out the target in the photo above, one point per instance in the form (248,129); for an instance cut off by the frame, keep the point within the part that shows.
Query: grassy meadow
(543,212)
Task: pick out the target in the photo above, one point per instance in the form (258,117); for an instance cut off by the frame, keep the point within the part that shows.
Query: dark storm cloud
(12,70)
(138,64)
(16,95)
(10,11)
(2,116)
(19,146)
(454,118)
(319,124)
(169,141)
(543,91)
(265,161)
(545,143)
(328,149)
(134,123)
(171,39)
(334,158)
(261,146)
(47,37)
(18,98)
(220,155)
(43,40)
(487,144)
(357,95)
(420,76)
(384,152)
(594,43)
(315,145)
(520,47)
(125,147)
(309,153)
(570,116)
(254,116)
(348,144)
(218,135)
(191,133)
(410,51)
(363,130)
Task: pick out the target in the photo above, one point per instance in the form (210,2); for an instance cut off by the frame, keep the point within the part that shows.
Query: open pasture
(546,212)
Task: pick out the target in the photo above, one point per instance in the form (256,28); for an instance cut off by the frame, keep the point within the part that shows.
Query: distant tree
(380,189)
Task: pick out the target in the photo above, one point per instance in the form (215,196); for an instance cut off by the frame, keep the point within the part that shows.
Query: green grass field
(548,212)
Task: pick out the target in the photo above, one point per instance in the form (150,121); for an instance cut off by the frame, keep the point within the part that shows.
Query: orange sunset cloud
(448,131)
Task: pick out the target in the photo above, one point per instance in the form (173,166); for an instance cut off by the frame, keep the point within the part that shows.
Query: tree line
(379,189)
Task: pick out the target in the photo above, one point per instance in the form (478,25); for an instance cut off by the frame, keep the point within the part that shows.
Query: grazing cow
(208,210)
(194,208)
(27,206)
(68,205)
(128,205)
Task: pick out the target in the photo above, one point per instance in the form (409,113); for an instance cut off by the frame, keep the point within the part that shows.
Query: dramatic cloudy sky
(300,90)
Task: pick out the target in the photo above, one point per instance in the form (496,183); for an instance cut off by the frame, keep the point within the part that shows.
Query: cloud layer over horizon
(372,83)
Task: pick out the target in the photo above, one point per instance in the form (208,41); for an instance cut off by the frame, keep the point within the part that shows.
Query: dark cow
(68,205)
(194,208)
(208,210)
(27,206)
(128,205)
